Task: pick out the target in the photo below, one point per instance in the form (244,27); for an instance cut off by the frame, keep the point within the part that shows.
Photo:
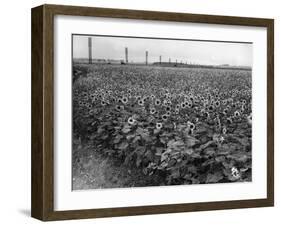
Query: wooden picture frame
(42,203)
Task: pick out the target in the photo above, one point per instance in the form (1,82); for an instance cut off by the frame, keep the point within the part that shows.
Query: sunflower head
(236,113)
(119,107)
(225,111)
(229,120)
(152,111)
(131,121)
(159,125)
(217,103)
(119,100)
(191,125)
(249,119)
(157,102)
(206,114)
(164,117)
(141,102)
(103,103)
(124,100)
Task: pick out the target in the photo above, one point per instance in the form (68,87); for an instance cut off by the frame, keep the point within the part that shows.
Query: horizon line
(175,39)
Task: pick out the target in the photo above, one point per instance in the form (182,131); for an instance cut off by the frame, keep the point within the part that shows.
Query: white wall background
(15,112)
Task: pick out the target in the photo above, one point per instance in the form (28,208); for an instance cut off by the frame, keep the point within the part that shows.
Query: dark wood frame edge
(42,197)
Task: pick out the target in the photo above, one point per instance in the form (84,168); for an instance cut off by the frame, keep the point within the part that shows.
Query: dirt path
(91,170)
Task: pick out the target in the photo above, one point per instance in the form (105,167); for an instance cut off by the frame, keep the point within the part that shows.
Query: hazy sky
(200,52)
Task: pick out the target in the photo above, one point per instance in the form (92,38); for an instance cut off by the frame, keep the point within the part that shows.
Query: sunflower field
(185,125)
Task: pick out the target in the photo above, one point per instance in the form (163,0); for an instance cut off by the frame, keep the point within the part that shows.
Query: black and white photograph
(160,112)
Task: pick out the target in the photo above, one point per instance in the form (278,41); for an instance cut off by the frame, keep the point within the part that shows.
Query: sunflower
(91,112)
(119,107)
(249,119)
(119,100)
(159,125)
(165,117)
(157,102)
(124,100)
(141,102)
(103,103)
(206,114)
(183,105)
(225,111)
(131,121)
(191,125)
(217,103)
(168,108)
(236,113)
(229,120)
(152,111)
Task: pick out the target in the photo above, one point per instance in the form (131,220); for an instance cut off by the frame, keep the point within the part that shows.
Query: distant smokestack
(169,60)
(126,55)
(146,57)
(90,50)
(160,59)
